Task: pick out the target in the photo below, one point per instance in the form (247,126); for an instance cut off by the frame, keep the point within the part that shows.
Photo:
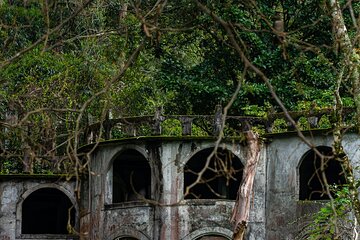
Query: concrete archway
(311,185)
(210,233)
(211,237)
(128,234)
(46,209)
(220,180)
(131,177)
(126,238)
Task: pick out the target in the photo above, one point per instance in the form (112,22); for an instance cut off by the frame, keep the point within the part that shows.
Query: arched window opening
(131,177)
(220,180)
(47,211)
(211,237)
(311,180)
(125,238)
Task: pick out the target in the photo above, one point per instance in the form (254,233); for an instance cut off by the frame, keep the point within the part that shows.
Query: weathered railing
(208,125)
(49,151)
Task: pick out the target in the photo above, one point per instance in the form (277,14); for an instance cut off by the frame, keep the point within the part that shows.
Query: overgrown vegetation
(65,65)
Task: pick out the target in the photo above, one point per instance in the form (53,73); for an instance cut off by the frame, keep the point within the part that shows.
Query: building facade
(149,188)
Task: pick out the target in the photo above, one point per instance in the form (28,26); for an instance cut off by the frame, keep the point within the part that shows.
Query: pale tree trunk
(240,215)
(350,65)
(351,58)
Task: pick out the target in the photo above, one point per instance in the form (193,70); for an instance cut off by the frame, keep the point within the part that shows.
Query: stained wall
(276,210)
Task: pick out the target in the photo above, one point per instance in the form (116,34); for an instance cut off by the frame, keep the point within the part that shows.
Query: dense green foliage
(188,69)
(332,215)
(64,66)
(72,76)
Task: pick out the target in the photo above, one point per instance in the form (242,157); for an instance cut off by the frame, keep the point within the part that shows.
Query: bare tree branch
(44,37)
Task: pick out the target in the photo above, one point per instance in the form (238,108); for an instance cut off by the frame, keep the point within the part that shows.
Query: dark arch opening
(220,180)
(311,183)
(211,237)
(46,211)
(131,177)
(125,238)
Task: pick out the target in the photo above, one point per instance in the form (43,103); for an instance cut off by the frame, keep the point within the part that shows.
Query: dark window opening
(220,180)
(211,237)
(125,238)
(46,211)
(311,181)
(131,177)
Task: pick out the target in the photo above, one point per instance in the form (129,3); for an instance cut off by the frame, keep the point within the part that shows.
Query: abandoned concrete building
(137,189)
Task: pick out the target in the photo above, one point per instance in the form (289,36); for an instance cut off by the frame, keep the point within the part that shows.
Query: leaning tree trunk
(350,65)
(240,215)
(351,59)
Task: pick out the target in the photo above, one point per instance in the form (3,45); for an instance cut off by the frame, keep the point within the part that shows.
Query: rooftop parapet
(210,125)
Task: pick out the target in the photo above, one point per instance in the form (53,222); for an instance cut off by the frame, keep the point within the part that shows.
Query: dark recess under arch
(311,184)
(131,177)
(216,181)
(211,237)
(45,211)
(125,238)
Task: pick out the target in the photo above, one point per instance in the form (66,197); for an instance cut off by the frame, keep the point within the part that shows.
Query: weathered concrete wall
(275,212)
(171,217)
(201,215)
(117,219)
(135,223)
(13,191)
(283,208)
(9,195)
